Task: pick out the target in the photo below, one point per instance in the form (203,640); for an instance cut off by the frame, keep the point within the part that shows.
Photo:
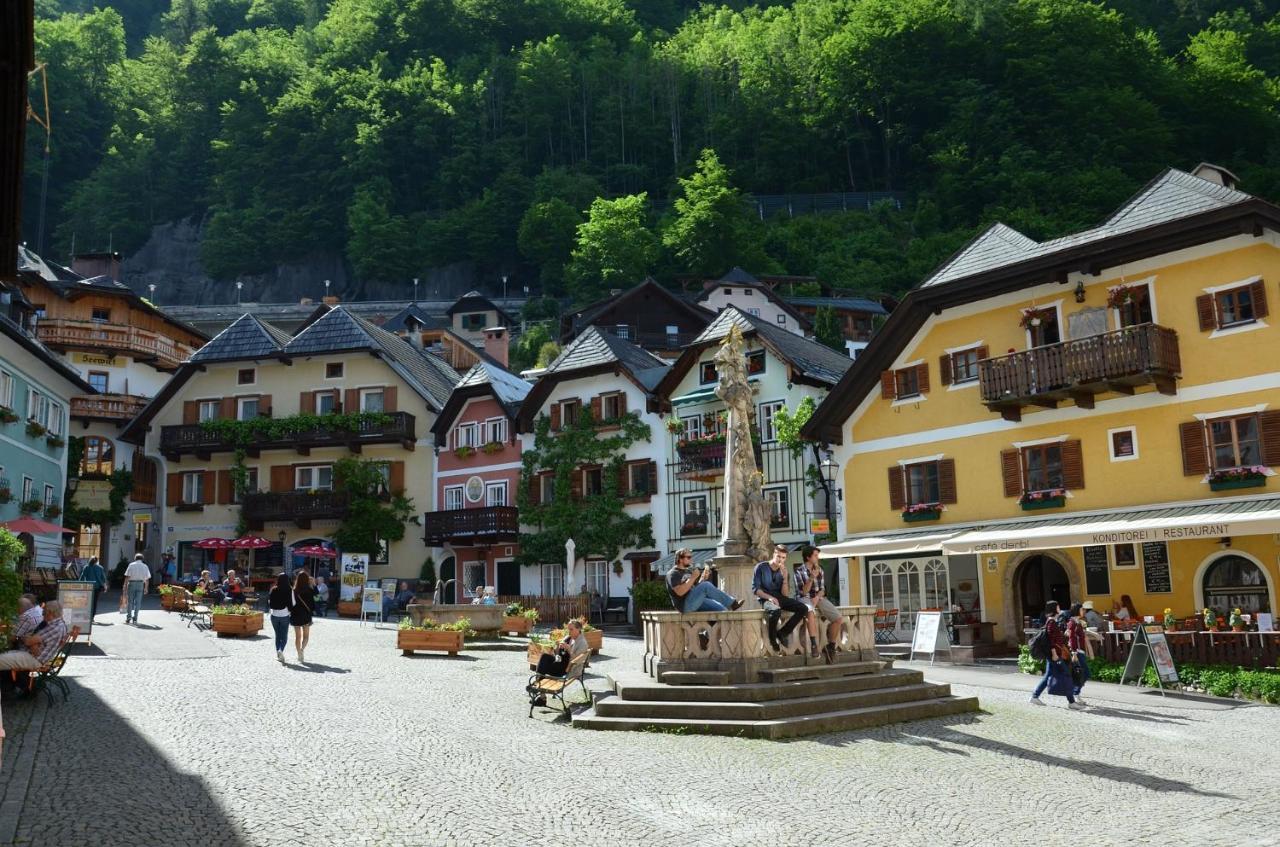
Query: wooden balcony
(109,339)
(700,460)
(1079,370)
(176,441)
(465,527)
(301,507)
(107,407)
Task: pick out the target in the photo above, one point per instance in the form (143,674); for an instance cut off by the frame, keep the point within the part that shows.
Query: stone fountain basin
(483,618)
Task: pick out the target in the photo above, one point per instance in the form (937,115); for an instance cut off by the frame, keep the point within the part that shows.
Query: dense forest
(580,144)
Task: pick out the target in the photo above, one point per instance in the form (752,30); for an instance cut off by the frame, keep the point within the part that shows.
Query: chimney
(1216,174)
(495,344)
(329,300)
(305,301)
(97,264)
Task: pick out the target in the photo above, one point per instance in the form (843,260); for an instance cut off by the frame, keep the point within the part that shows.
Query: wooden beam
(1011,413)
(302,449)
(355,446)
(1166,385)
(1121,388)
(1083,399)
(303,523)
(203,455)
(408,444)
(1044,402)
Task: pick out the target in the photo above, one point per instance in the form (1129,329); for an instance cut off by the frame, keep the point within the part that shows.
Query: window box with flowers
(7,415)
(922,512)
(1054,498)
(691,527)
(492,447)
(464,452)
(1250,476)
(35,430)
(55,441)
(779,520)
(6,494)
(52,510)
(30,507)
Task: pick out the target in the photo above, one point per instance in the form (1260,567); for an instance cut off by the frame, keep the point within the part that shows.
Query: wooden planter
(348,608)
(237,626)
(441,641)
(517,625)
(1050,503)
(1233,484)
(166,601)
(926,515)
(535,652)
(595,640)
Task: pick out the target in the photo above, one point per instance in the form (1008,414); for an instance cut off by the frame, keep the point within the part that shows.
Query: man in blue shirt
(768,585)
(95,573)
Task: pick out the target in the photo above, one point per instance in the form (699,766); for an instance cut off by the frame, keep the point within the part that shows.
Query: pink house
(476,525)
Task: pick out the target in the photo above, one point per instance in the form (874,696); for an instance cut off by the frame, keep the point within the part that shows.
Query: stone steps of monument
(695,678)
(788,707)
(823,671)
(864,717)
(637,686)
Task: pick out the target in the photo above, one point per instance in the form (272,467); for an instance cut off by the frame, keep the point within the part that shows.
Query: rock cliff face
(170,260)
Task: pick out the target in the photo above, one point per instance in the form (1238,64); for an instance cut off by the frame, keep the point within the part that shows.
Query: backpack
(1039,645)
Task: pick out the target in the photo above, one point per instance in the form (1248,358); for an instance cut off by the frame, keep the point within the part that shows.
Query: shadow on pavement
(1129,714)
(312,667)
(94,781)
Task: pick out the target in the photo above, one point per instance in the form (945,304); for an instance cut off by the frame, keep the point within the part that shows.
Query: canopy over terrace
(1162,522)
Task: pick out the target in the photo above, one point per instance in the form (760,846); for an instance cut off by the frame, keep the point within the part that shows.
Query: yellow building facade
(1075,420)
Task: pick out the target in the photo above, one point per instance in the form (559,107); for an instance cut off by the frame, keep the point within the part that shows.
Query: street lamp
(282,536)
(239,285)
(415,291)
(504,286)
(152,288)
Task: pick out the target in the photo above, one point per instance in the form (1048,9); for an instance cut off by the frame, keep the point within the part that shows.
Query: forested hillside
(581,143)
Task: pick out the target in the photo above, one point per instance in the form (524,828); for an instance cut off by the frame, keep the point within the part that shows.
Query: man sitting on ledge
(691,593)
(768,583)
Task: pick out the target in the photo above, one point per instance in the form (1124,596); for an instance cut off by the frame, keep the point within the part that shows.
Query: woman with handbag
(1057,670)
(1079,647)
(300,611)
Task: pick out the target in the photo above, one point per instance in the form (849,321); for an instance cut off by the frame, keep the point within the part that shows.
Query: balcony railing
(194,438)
(113,338)
(461,526)
(301,507)
(1079,369)
(110,407)
(701,460)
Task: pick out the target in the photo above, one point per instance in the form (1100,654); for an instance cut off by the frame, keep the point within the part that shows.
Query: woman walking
(1058,653)
(304,603)
(1078,646)
(280,599)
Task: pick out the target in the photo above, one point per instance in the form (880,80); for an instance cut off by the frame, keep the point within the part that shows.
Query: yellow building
(1077,419)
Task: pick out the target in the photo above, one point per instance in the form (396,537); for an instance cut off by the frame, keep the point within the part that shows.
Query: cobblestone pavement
(365,747)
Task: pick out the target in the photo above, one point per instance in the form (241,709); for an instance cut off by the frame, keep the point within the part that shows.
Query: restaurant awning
(907,542)
(701,395)
(1170,522)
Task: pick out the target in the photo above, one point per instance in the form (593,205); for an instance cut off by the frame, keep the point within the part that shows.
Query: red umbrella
(316,551)
(35,526)
(250,542)
(212,544)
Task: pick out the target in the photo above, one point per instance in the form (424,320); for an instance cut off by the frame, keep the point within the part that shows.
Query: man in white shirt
(136,578)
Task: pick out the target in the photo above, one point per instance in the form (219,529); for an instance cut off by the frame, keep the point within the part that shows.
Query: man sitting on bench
(768,583)
(691,593)
(41,646)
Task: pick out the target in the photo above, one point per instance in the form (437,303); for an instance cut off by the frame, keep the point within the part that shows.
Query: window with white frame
(453,495)
(769,432)
(467,435)
(326,402)
(1122,444)
(37,406)
(495,431)
(695,519)
(552,580)
(692,426)
(6,389)
(473,578)
(250,484)
(54,422)
(193,487)
(246,408)
(207,410)
(313,477)
(598,577)
(779,500)
(371,400)
(495,494)
(569,410)
(48,496)
(782,320)
(27,484)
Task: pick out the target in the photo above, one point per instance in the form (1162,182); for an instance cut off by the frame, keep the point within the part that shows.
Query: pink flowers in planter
(1041,496)
(1245,472)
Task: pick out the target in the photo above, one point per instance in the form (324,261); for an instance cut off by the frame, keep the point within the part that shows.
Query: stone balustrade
(738,642)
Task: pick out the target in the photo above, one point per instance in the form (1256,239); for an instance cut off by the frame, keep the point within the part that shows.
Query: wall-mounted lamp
(1225,543)
(282,537)
(1080,291)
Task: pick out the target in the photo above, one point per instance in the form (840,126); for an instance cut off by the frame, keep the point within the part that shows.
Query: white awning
(1177,522)
(887,544)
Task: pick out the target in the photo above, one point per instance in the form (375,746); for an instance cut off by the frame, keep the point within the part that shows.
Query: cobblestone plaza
(174,737)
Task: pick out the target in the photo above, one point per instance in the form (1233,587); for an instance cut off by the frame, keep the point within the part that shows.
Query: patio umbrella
(316,551)
(35,526)
(213,544)
(250,542)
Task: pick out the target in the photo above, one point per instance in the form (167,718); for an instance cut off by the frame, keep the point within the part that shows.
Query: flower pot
(348,608)
(166,602)
(436,640)
(237,626)
(1242,482)
(516,625)
(917,517)
(595,640)
(1047,503)
(535,652)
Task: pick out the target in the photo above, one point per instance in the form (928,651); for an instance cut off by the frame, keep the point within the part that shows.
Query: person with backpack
(1050,646)
(1078,644)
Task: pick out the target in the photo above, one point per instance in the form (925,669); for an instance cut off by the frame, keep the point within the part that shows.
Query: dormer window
(755,361)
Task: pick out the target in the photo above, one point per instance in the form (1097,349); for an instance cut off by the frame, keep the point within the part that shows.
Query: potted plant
(31,506)
(1119,297)
(54,441)
(595,637)
(429,635)
(167,593)
(1236,621)
(1030,317)
(674,425)
(464,452)
(518,620)
(1051,499)
(538,644)
(35,430)
(52,510)
(1249,476)
(1170,622)
(492,447)
(7,415)
(922,512)
(235,620)
(1210,620)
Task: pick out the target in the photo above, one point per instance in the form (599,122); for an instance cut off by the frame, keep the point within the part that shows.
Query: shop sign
(819,526)
(97,359)
(93,494)
(142,517)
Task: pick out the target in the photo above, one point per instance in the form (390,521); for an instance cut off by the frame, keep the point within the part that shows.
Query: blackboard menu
(1097,576)
(1155,567)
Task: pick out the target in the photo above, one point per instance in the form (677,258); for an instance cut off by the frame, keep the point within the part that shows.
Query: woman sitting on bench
(573,645)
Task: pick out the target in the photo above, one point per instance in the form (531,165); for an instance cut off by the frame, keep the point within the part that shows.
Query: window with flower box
(779,500)
(1046,471)
(917,486)
(1231,446)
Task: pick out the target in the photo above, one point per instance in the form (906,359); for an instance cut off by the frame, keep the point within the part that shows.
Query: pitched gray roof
(246,338)
(398,321)
(509,389)
(853,304)
(339,330)
(595,347)
(813,359)
(737,274)
(1172,195)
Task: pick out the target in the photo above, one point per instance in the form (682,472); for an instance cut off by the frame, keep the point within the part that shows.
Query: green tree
(375,514)
(524,354)
(615,247)
(547,233)
(712,229)
(826,329)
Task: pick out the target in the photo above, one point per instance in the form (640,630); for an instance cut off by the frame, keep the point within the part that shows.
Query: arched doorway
(1038,580)
(447,568)
(1234,582)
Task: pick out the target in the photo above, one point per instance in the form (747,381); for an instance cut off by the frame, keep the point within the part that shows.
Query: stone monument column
(744,538)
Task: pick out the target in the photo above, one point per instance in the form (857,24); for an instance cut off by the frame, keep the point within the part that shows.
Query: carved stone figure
(746,513)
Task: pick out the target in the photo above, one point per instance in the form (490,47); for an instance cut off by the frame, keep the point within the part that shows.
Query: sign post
(371,603)
(930,636)
(1150,646)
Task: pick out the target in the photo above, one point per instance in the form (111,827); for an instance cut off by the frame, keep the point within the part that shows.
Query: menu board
(1160,655)
(1097,575)
(1155,567)
(77,605)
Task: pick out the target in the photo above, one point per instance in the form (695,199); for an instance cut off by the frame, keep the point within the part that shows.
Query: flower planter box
(166,602)
(517,625)
(595,640)
(535,652)
(916,517)
(348,608)
(237,626)
(1047,503)
(1232,484)
(436,640)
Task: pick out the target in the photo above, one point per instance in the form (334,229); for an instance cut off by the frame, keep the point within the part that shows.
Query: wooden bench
(546,686)
(196,611)
(49,675)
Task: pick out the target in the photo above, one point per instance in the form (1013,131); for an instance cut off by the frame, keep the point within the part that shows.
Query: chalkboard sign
(1097,575)
(1155,567)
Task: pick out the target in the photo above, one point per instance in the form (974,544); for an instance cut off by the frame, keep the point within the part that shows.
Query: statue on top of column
(746,513)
